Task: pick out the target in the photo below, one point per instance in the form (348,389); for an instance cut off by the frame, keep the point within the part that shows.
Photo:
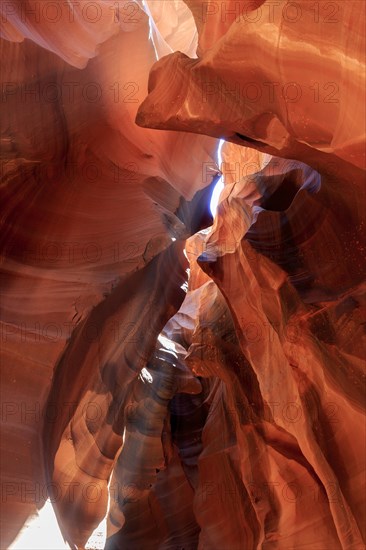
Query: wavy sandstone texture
(199,383)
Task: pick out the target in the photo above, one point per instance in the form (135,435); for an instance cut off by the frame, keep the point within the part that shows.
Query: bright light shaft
(219,185)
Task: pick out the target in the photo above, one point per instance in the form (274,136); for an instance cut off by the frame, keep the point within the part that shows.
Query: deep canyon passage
(183,274)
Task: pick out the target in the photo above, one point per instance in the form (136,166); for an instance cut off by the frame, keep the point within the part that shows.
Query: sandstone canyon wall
(196,381)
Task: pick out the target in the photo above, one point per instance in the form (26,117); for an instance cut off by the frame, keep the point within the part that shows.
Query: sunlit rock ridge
(186,379)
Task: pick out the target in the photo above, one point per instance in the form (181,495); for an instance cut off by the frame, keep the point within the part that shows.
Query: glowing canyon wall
(194,381)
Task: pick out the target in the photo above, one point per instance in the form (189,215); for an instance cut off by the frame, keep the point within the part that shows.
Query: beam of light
(146,376)
(219,185)
(41,532)
(168,345)
(151,23)
(98,538)
(215,196)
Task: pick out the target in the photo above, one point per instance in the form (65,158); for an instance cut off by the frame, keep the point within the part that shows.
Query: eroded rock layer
(192,382)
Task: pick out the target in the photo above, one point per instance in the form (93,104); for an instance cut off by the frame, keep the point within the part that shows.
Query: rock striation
(195,381)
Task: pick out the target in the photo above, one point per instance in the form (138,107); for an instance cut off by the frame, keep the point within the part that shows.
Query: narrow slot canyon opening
(219,185)
(179,372)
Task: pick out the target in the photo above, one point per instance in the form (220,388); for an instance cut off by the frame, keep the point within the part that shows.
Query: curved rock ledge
(190,380)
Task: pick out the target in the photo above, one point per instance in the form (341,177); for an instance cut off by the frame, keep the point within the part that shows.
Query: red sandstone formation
(207,392)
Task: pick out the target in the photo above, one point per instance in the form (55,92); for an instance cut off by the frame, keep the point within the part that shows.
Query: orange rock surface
(196,382)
